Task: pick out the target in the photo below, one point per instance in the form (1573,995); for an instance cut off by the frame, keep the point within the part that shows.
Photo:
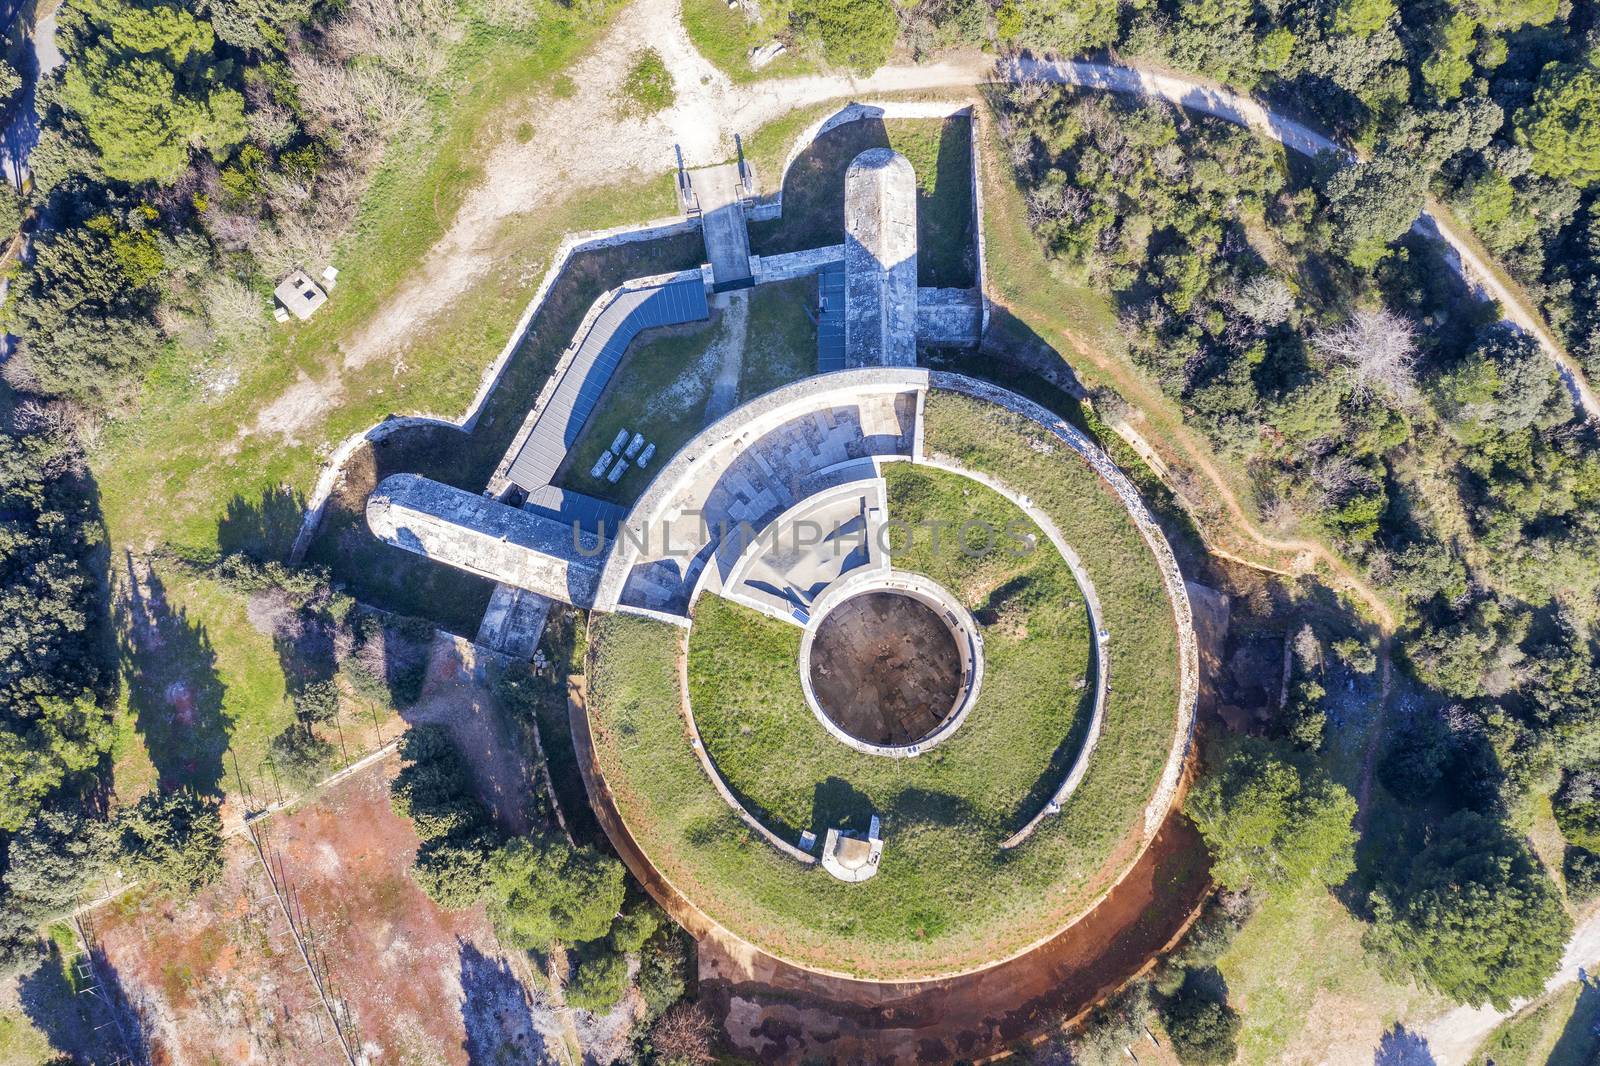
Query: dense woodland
(191,152)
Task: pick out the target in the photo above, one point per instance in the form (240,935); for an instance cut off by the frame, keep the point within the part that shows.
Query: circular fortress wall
(890,662)
(1020,819)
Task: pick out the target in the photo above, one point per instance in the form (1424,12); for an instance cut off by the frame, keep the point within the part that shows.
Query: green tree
(1499,15)
(853,33)
(85,325)
(45,743)
(1562,125)
(48,866)
(1504,386)
(1271,823)
(1362,17)
(547,892)
(174,840)
(148,89)
(1476,917)
(600,978)
(51,722)
(1203,1028)
(1450,64)
(1372,203)
(1070,27)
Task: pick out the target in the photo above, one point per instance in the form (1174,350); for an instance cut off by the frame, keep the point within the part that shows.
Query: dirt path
(730,355)
(1455,1036)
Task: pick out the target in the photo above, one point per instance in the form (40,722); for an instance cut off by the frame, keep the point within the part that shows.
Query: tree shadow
(813,190)
(174,691)
(1209,982)
(264,529)
(495,1011)
(1580,1038)
(82,1019)
(1401,1047)
(920,806)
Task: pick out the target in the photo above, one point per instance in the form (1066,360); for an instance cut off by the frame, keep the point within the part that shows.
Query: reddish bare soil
(220,981)
(779,1014)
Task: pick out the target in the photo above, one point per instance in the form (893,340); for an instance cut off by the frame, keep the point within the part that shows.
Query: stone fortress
(780,506)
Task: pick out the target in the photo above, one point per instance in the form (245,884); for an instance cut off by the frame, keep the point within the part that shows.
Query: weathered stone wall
(880,260)
(487,538)
(949,316)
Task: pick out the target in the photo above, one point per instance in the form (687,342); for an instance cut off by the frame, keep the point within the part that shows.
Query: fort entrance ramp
(720,191)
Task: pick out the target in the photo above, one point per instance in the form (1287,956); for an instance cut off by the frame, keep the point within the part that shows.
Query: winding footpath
(594,150)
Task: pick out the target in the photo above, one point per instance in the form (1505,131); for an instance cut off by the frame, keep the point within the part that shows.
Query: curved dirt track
(578,146)
(779,1013)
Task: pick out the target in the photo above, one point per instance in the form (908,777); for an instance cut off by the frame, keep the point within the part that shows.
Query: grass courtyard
(664,386)
(946,897)
(992,774)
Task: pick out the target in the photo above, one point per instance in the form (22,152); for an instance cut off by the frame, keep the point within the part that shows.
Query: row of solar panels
(830,318)
(580,388)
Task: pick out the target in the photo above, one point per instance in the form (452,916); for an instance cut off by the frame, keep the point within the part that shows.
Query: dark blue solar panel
(597,358)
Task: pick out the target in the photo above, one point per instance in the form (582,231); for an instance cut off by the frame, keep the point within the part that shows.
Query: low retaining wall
(1154,538)
(969,646)
(333,467)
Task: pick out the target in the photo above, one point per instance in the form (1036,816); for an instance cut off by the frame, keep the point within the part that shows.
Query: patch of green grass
(648,88)
(724,36)
(780,344)
(998,768)
(1302,982)
(21,1043)
(233,698)
(664,382)
(920,912)
(813,193)
(1554,1031)
(659,389)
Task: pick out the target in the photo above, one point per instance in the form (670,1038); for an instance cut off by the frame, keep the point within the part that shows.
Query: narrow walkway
(719,192)
(735,323)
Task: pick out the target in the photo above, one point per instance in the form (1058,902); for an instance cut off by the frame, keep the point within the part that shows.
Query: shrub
(600,977)
(1207,940)
(1577,809)
(648,87)
(663,976)
(853,33)
(1581,869)
(1357,654)
(1112,1027)
(1204,1030)
(300,757)
(683,1036)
